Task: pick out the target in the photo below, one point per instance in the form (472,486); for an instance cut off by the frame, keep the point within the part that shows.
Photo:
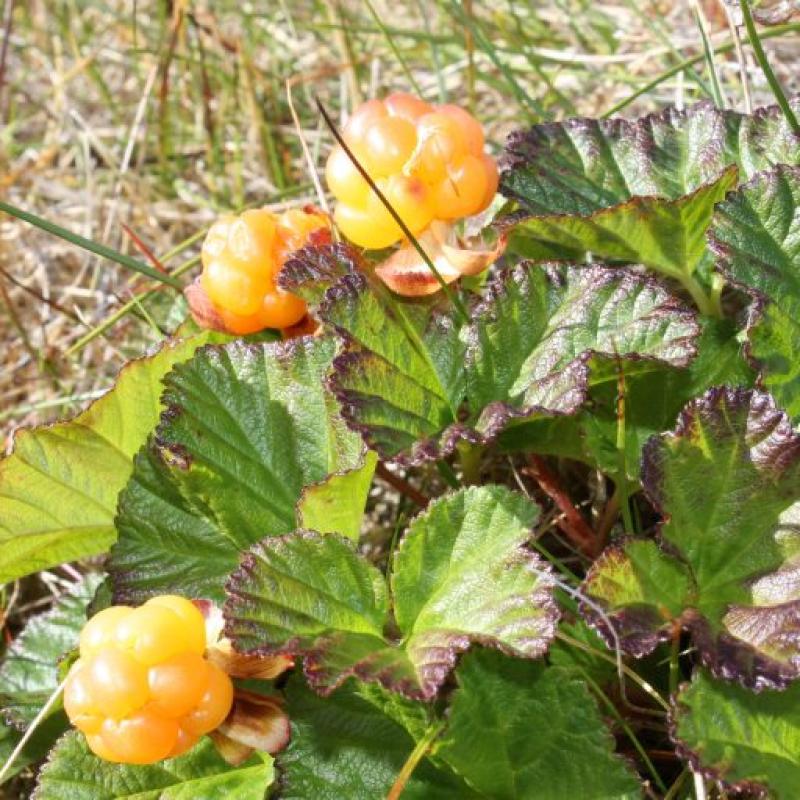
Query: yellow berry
(461,193)
(82,709)
(117,682)
(153,634)
(388,143)
(183,743)
(214,705)
(470,127)
(344,180)
(232,289)
(195,630)
(362,118)
(407,106)
(177,684)
(141,738)
(100,630)
(493,179)
(442,140)
(363,229)
(410,197)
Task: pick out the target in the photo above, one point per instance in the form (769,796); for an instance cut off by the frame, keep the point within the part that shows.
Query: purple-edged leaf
(462,574)
(756,237)
(407,370)
(311,271)
(726,481)
(641,190)
(748,741)
(247,428)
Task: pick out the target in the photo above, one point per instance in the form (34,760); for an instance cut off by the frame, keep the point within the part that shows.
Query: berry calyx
(142,689)
(427,160)
(242,257)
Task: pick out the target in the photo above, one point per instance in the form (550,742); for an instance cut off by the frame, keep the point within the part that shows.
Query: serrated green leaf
(344,747)
(247,428)
(336,505)
(36,747)
(452,584)
(29,669)
(653,400)
(756,237)
(311,271)
(518,729)
(748,741)
(528,353)
(73,772)
(726,482)
(641,191)
(58,489)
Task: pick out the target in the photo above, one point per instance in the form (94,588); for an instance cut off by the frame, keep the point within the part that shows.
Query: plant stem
(417,754)
(470,457)
(706,304)
(622,479)
(402,485)
(761,57)
(674,656)
(573,524)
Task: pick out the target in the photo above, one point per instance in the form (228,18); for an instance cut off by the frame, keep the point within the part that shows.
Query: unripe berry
(142,690)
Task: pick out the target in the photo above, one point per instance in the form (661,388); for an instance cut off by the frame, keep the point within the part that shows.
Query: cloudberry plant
(428,161)
(242,257)
(142,689)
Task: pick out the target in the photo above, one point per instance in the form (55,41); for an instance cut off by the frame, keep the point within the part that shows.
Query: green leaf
(336,504)
(247,428)
(528,353)
(519,729)
(748,741)
(73,772)
(755,237)
(29,670)
(451,585)
(36,747)
(344,747)
(641,191)
(311,271)
(58,489)
(653,400)
(665,235)
(726,481)
(401,379)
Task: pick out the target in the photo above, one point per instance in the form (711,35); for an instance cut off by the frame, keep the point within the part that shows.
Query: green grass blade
(91,246)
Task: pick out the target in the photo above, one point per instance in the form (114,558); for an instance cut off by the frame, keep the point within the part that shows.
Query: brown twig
(401,485)
(572,522)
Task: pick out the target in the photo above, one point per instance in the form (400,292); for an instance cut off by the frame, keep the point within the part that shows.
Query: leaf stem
(470,457)
(674,663)
(88,244)
(622,477)
(763,62)
(417,754)
(401,485)
(706,304)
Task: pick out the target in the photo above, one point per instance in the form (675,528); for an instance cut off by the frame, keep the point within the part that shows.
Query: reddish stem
(401,485)
(572,523)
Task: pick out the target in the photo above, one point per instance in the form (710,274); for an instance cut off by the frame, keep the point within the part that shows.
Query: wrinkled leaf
(407,370)
(452,585)
(748,741)
(247,428)
(73,772)
(58,489)
(29,670)
(519,729)
(311,271)
(640,191)
(344,747)
(756,237)
(726,482)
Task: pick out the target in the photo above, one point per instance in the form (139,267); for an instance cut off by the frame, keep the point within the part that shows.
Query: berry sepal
(407,273)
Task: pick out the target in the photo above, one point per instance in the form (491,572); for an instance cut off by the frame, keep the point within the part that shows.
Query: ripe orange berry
(142,689)
(214,705)
(428,160)
(388,143)
(242,257)
(407,106)
(463,190)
